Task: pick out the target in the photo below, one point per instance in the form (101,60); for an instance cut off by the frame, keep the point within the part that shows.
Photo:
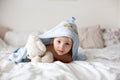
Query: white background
(31,15)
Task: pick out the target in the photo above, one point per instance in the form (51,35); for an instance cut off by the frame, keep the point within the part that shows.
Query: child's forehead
(64,38)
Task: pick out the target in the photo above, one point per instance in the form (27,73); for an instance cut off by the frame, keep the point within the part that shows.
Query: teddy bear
(36,50)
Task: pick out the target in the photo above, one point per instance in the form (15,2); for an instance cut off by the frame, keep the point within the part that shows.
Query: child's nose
(61,46)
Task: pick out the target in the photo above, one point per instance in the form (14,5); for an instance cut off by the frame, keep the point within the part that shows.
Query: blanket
(102,64)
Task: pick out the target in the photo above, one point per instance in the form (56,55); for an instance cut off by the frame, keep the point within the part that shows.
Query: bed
(103,61)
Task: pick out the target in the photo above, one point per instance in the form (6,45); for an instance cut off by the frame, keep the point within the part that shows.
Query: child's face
(62,45)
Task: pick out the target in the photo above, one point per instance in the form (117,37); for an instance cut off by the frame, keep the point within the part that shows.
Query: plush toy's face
(36,50)
(35,47)
(62,45)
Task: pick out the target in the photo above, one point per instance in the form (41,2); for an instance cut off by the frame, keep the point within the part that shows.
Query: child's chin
(60,54)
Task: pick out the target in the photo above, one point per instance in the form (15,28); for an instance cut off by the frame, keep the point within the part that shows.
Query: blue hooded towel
(66,28)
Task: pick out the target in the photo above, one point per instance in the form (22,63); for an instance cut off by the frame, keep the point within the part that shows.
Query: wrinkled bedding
(101,64)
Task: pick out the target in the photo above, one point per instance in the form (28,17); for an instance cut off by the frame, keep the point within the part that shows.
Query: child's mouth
(60,52)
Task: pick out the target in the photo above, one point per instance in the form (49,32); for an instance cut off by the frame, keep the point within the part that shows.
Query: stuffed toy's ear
(40,45)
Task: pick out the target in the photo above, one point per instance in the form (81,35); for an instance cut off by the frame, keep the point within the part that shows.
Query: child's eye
(58,41)
(67,43)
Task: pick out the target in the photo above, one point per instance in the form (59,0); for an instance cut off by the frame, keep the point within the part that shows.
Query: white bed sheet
(102,64)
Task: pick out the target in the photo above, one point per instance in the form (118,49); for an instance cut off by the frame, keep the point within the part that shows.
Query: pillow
(111,36)
(17,39)
(2,44)
(91,37)
(3,31)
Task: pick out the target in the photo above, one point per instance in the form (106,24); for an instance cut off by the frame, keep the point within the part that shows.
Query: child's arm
(64,58)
